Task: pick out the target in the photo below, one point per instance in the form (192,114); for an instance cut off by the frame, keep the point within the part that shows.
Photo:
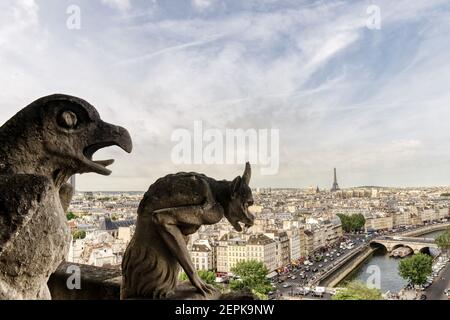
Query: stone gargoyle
(43,145)
(173,208)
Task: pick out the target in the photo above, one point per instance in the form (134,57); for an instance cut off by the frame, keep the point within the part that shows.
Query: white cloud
(202,4)
(341,95)
(122,5)
(17,18)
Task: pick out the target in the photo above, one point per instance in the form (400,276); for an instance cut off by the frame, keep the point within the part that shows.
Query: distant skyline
(321,188)
(373,103)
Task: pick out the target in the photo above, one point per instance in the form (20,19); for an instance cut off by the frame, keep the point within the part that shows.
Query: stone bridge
(416,244)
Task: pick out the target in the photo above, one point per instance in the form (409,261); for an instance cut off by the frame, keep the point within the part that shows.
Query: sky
(370,99)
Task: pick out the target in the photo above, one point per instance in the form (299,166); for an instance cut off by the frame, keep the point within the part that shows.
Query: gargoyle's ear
(247,173)
(235,186)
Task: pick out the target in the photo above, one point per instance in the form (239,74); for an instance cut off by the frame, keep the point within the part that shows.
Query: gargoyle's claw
(206,289)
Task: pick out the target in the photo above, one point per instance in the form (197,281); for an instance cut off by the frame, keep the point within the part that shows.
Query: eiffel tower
(335,186)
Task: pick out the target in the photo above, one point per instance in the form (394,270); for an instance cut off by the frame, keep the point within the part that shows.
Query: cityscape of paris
(214,158)
(297,235)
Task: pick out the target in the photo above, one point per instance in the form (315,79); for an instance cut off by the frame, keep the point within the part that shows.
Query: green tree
(70,216)
(352,223)
(253,276)
(345,222)
(208,277)
(79,234)
(183,276)
(358,221)
(416,269)
(443,241)
(356,290)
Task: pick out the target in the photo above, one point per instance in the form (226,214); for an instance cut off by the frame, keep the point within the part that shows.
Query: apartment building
(203,255)
(233,249)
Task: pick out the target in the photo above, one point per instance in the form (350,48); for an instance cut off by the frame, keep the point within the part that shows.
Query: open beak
(106,135)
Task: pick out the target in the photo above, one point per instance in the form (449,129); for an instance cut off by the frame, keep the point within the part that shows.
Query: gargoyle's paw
(206,289)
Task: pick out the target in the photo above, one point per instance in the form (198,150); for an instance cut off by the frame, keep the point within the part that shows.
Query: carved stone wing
(20,199)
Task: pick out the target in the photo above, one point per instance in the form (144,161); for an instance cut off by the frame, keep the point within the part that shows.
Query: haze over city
(371,102)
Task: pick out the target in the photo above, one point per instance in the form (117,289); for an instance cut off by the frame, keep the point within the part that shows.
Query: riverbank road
(442,282)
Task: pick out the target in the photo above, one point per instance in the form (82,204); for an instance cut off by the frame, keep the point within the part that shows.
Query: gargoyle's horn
(247,173)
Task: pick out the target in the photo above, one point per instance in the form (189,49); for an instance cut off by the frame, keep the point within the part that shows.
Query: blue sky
(373,103)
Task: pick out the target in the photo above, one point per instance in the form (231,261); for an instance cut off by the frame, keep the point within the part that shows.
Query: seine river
(387,267)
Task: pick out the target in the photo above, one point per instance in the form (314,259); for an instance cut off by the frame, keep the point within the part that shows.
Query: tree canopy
(352,223)
(443,241)
(357,290)
(208,276)
(416,269)
(253,276)
(79,234)
(70,216)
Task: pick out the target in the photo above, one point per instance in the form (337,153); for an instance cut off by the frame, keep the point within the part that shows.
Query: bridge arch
(416,245)
(376,244)
(426,250)
(402,245)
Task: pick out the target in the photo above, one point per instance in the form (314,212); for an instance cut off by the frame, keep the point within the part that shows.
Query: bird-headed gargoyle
(173,208)
(41,146)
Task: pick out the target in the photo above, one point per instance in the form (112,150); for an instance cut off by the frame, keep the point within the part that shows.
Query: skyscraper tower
(335,186)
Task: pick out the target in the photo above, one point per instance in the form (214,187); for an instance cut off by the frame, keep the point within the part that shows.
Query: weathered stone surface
(185,291)
(40,148)
(240,295)
(98,283)
(173,208)
(95,283)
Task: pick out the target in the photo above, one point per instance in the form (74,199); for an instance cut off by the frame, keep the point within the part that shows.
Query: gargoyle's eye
(68,120)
